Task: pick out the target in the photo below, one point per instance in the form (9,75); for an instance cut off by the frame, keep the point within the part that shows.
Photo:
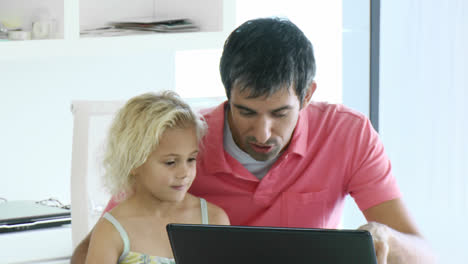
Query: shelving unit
(41,77)
(215,19)
(21,13)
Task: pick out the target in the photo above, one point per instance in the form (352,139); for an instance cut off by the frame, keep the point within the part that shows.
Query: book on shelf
(157,25)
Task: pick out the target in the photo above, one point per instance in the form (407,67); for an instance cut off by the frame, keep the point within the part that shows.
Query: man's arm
(396,237)
(80,252)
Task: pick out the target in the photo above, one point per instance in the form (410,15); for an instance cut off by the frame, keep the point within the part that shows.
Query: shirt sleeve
(113,202)
(371,180)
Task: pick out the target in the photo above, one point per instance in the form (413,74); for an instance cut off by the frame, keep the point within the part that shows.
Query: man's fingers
(380,235)
(381,251)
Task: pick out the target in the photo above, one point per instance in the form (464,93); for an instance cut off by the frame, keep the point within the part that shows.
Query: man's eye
(192,160)
(280,114)
(243,113)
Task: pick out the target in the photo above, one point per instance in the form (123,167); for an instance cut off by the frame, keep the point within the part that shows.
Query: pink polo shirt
(334,151)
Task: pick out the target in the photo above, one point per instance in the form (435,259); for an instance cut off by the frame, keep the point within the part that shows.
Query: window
(197,72)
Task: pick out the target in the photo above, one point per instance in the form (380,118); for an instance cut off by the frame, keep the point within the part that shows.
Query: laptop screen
(210,244)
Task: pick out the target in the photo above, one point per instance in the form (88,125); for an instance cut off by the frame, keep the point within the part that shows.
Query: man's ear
(310,91)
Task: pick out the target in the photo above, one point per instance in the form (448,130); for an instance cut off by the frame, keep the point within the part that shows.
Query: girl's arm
(106,246)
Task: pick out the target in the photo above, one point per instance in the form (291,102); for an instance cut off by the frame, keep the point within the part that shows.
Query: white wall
(36,121)
(424,115)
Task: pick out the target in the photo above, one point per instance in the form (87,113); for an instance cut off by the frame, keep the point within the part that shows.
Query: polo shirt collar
(214,149)
(299,138)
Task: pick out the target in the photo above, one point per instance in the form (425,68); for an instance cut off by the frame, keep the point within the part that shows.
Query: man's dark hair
(265,55)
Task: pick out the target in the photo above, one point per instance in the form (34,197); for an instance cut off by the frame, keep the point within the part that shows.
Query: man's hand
(381,237)
(394,247)
(396,238)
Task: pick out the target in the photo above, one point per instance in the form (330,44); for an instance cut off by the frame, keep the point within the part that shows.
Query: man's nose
(262,129)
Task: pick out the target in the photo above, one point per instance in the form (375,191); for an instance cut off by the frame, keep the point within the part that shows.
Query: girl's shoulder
(106,238)
(216,215)
(105,227)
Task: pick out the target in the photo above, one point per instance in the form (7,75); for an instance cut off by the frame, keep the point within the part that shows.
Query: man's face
(263,126)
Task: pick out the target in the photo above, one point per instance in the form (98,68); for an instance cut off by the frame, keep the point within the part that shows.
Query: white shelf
(212,35)
(122,45)
(21,13)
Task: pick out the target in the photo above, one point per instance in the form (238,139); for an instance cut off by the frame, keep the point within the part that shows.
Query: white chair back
(91,122)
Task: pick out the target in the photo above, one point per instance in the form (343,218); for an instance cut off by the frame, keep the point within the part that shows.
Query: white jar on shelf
(43,25)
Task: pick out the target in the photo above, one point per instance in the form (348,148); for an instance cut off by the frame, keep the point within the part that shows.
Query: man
(271,158)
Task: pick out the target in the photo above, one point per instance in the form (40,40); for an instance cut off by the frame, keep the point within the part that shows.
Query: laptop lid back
(211,244)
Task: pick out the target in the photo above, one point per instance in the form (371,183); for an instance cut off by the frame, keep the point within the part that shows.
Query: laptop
(26,215)
(214,244)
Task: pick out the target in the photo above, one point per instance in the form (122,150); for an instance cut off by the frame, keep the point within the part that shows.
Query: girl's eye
(169,163)
(192,159)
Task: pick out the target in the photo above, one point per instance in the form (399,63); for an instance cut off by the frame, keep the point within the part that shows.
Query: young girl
(150,156)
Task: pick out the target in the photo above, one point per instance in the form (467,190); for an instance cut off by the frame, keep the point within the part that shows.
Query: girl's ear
(134,172)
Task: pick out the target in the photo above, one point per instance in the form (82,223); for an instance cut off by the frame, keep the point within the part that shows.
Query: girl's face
(170,169)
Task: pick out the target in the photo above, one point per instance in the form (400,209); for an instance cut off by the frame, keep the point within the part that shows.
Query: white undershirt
(257,168)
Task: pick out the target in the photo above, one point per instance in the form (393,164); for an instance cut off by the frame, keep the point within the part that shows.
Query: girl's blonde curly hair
(135,133)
